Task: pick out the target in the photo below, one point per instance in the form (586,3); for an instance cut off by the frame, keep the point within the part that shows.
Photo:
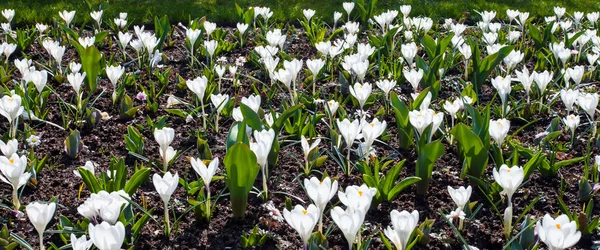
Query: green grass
(223,11)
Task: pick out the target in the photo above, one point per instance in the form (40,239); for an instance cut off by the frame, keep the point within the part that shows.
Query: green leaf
(137,179)
(250,117)
(428,154)
(242,170)
(401,186)
(472,150)
(90,180)
(90,64)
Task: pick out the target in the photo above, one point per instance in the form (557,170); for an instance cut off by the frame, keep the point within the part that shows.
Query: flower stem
(265,187)
(41,236)
(203,114)
(208,212)
(15,197)
(167,221)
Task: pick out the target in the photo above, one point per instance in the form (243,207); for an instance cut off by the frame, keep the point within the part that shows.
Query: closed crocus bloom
(420,119)
(358,198)
(86,41)
(525,79)
(262,146)
(403,224)
(106,236)
(542,79)
(372,130)
(592,58)
(114,73)
(513,58)
(89,165)
(285,77)
(588,102)
(336,16)
(8,14)
(348,7)
(306,147)
(460,196)
(198,86)
(409,51)
(575,74)
(302,220)
(81,243)
(361,92)
(253,102)
(209,27)
(124,39)
(569,97)
(219,101)
(10,107)
(315,66)
(571,121)
(320,192)
(9,148)
(386,86)
(67,16)
(205,172)
(452,107)
(465,50)
(110,212)
(414,77)
(559,233)
(502,85)
(308,13)
(40,215)
(39,79)
(192,35)
(332,106)
(348,221)
(509,179)
(76,80)
(349,130)
(242,27)
(498,130)
(210,47)
(437,119)
(164,137)
(166,185)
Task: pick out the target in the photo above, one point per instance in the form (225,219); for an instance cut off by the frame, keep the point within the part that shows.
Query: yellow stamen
(12,161)
(557,225)
(360,193)
(304,211)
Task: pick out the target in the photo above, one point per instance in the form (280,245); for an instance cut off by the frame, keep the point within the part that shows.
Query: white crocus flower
(40,215)
(81,243)
(302,220)
(420,119)
(106,236)
(572,121)
(569,97)
(509,179)
(558,234)
(361,92)
(67,16)
(499,130)
(403,224)
(320,192)
(414,77)
(253,102)
(9,148)
(588,102)
(460,196)
(348,221)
